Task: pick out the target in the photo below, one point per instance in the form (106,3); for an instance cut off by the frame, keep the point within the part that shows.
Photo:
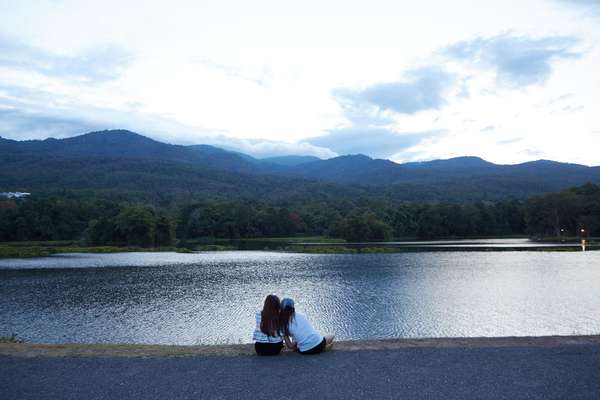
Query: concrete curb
(30,350)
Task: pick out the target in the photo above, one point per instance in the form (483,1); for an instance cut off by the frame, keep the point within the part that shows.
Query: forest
(122,219)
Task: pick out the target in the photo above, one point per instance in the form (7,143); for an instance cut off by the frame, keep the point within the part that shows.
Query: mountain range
(117,160)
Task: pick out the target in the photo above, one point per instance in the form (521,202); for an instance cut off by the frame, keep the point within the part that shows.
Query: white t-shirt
(303,333)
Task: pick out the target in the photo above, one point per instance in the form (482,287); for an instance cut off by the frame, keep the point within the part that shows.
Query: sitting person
(298,333)
(267,341)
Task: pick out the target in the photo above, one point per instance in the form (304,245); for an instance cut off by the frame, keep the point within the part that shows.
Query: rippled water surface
(212,297)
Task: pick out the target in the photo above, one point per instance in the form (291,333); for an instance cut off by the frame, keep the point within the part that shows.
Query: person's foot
(329,341)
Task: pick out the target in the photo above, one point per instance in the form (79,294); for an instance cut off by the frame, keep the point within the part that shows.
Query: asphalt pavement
(558,372)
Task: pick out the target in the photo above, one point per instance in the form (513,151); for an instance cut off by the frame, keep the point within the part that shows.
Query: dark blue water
(212,297)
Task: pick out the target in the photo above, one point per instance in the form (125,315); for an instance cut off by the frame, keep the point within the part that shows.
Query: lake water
(206,298)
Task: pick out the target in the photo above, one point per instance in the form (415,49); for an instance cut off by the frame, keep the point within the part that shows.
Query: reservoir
(209,298)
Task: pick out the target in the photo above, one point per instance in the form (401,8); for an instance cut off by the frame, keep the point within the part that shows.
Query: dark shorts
(317,349)
(268,349)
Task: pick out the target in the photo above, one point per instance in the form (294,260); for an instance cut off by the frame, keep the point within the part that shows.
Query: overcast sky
(509,81)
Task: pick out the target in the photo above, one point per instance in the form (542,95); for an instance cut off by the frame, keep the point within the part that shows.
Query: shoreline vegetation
(44,249)
(11,339)
(29,350)
(296,244)
(43,224)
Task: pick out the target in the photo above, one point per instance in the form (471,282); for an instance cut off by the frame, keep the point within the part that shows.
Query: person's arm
(256,329)
(290,343)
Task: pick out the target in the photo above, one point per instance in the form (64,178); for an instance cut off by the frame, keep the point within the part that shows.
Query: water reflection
(211,297)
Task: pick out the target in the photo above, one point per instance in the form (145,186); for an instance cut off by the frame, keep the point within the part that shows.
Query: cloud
(22,121)
(14,123)
(27,113)
(373,111)
(509,141)
(464,91)
(20,125)
(38,123)
(262,76)
(533,152)
(261,148)
(592,6)
(32,114)
(96,64)
(517,60)
(563,97)
(422,90)
(573,109)
(375,142)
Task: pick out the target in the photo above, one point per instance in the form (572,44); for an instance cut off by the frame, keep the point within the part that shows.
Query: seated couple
(279,322)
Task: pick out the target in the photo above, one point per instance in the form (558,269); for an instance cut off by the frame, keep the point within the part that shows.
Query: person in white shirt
(267,340)
(298,333)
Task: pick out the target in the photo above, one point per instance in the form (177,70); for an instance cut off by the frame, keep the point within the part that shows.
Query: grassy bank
(317,249)
(42,249)
(417,249)
(298,239)
(289,244)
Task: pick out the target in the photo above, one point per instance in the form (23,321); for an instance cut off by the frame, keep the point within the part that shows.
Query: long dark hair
(269,316)
(286,316)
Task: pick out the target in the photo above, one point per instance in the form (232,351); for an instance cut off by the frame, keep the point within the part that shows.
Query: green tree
(361,225)
(136,225)
(165,230)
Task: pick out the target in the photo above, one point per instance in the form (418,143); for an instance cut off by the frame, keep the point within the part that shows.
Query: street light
(582,240)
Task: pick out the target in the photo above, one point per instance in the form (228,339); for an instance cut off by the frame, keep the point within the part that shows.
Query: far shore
(29,350)
(39,249)
(312,245)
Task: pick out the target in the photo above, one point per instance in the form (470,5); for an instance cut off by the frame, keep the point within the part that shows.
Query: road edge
(32,350)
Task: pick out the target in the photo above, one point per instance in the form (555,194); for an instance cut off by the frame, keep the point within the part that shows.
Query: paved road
(564,372)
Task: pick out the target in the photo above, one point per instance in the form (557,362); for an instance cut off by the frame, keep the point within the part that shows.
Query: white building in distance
(14,195)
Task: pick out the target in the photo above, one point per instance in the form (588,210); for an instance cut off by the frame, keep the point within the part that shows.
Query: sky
(508,81)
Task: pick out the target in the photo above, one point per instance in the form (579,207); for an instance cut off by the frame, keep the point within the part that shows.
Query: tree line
(123,221)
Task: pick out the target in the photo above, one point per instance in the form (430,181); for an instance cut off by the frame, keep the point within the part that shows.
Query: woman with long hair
(267,340)
(298,333)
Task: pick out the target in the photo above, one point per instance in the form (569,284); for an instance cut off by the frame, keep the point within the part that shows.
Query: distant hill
(360,169)
(160,179)
(290,161)
(126,144)
(124,160)
(348,169)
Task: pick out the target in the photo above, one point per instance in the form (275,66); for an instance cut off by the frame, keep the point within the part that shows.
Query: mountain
(290,161)
(124,160)
(212,150)
(126,144)
(115,143)
(361,169)
(159,179)
(459,164)
(345,169)
(542,175)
